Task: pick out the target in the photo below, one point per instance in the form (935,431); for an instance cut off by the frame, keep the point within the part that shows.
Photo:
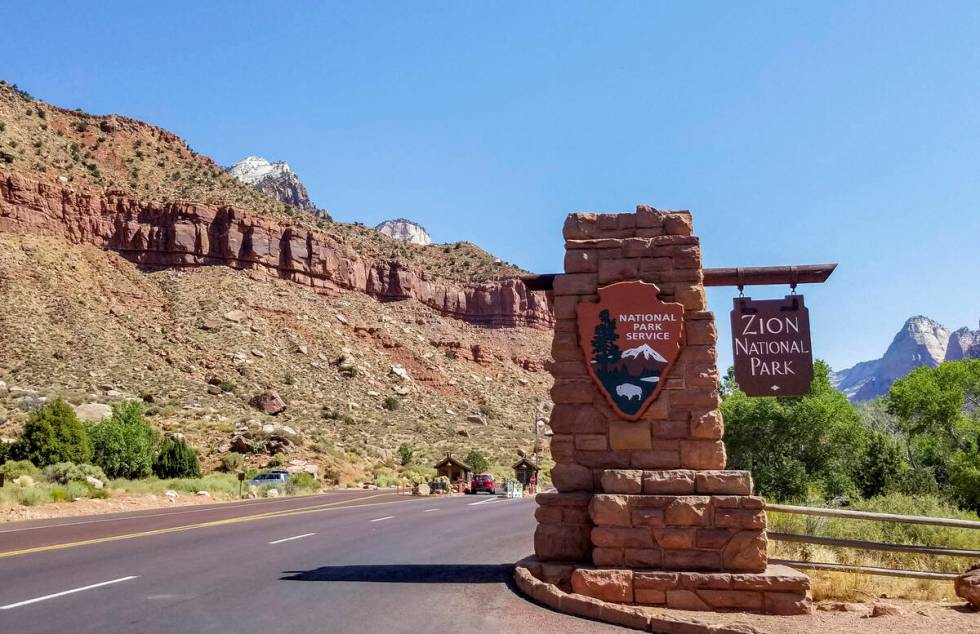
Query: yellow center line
(329,506)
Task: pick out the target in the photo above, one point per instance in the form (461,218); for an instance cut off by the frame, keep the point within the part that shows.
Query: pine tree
(604,348)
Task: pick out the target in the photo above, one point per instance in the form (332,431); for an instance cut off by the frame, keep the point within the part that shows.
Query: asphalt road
(340,562)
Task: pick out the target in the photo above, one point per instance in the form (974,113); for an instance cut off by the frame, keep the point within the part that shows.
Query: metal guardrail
(866,545)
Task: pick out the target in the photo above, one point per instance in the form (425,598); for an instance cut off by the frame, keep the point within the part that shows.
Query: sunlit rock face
(405,230)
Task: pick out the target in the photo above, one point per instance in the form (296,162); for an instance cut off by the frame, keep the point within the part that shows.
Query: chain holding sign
(771,346)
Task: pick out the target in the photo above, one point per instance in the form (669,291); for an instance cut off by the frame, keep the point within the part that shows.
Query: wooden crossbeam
(738,276)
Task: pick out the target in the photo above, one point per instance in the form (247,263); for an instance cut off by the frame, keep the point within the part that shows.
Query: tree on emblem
(604,349)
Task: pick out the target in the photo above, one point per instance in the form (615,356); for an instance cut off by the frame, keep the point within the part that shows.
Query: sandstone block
(604,584)
(548,514)
(562,447)
(580,605)
(624,615)
(575,499)
(659,409)
(746,550)
(575,515)
(775,578)
(564,346)
(967,586)
(666,455)
(675,481)
(617,270)
(571,477)
(637,247)
(622,481)
(606,557)
(648,217)
(786,603)
(652,518)
(577,419)
(655,580)
(674,538)
(575,284)
(554,542)
(691,297)
(714,538)
(644,557)
(692,560)
(564,306)
(609,510)
(654,266)
(624,435)
(677,224)
(703,454)
(618,537)
(724,482)
(649,596)
(572,391)
(670,428)
(581,226)
(700,397)
(685,600)
(740,518)
(687,511)
(733,599)
(687,258)
(580,261)
(707,426)
(590,442)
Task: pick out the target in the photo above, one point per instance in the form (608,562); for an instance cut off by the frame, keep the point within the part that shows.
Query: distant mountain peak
(276,180)
(405,230)
(920,342)
(253,169)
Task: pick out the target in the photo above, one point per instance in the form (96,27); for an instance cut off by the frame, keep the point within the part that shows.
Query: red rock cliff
(189,234)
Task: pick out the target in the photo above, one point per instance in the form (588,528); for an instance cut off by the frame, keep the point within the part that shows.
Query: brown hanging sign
(771,346)
(630,339)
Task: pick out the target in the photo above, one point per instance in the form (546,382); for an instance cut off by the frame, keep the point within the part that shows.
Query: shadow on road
(408,573)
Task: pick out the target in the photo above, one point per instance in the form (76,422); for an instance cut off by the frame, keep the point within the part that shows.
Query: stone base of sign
(619,593)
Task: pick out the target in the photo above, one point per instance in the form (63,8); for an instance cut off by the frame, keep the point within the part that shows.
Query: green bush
(32,496)
(177,459)
(16,468)
(58,494)
(391,403)
(278,460)
(301,481)
(477,461)
(232,461)
(77,490)
(406,454)
(53,434)
(123,445)
(65,472)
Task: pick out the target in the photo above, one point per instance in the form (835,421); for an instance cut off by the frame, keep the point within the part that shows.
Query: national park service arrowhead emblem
(630,339)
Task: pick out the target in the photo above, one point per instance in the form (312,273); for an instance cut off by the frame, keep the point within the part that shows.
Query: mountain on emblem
(630,339)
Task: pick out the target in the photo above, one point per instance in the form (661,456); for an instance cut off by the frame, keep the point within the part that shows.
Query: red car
(483,482)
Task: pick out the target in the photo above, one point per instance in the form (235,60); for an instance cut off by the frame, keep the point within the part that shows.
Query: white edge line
(386,517)
(429,510)
(289,539)
(493,499)
(61,594)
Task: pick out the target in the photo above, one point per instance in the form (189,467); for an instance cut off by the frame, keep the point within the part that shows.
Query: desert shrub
(65,472)
(176,459)
(488,411)
(53,434)
(278,460)
(391,403)
(16,468)
(385,477)
(58,494)
(4,452)
(123,445)
(477,461)
(232,461)
(406,454)
(77,490)
(32,496)
(301,481)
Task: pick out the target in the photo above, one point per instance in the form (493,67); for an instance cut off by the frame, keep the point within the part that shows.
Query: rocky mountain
(276,180)
(405,230)
(132,267)
(920,342)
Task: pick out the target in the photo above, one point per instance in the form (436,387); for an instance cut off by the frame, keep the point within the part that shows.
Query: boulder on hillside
(235,315)
(967,585)
(93,412)
(269,402)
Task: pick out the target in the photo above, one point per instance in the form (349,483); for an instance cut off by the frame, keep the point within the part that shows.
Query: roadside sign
(771,346)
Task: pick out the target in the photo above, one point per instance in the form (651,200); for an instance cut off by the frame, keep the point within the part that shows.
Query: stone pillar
(639,500)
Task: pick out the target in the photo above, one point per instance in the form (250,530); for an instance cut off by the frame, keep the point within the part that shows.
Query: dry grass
(859,587)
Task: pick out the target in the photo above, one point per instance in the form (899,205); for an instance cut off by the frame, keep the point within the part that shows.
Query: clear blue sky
(831,131)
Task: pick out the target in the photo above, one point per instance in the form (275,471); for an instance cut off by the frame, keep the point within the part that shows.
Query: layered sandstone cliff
(190,234)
